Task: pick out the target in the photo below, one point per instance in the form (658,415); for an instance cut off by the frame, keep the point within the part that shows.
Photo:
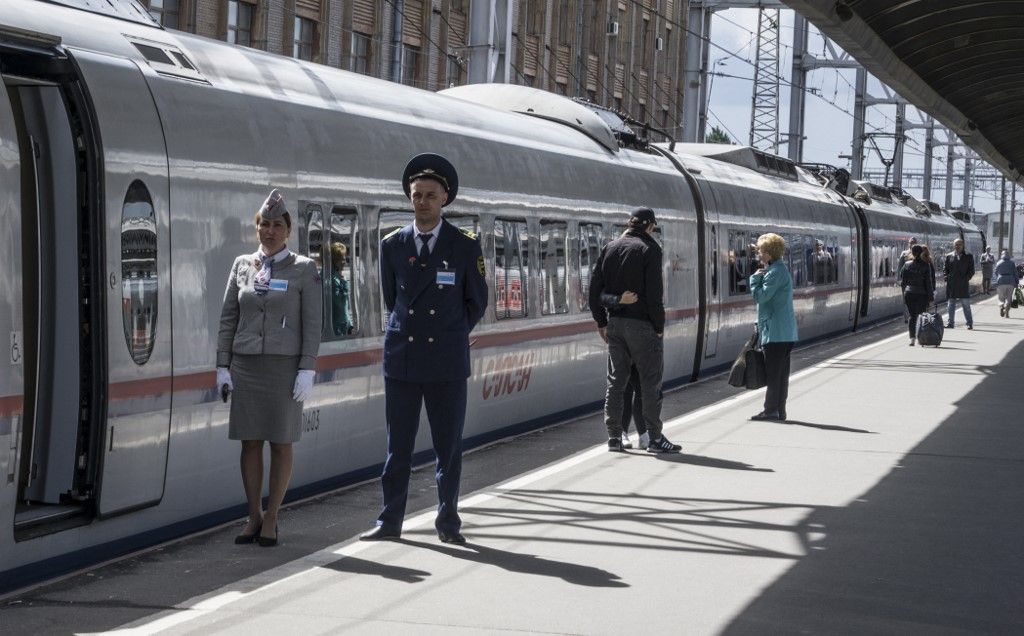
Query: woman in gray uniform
(266,358)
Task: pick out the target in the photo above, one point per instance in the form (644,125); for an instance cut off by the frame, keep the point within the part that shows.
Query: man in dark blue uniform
(435,290)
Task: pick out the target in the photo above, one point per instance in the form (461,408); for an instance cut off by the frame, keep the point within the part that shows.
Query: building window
(565,22)
(360,59)
(459,5)
(410,65)
(511,268)
(454,71)
(165,12)
(534,17)
(304,36)
(239,23)
(554,281)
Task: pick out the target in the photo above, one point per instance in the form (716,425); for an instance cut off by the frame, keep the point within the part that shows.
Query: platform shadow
(573,573)
(934,547)
(709,462)
(352,565)
(828,427)
(914,366)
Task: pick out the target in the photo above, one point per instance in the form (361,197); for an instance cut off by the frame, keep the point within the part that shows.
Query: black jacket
(631,262)
(916,278)
(958,275)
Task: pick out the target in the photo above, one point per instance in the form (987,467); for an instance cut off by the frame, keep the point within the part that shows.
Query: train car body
(132,160)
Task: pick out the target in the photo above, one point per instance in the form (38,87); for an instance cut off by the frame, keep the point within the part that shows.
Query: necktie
(425,249)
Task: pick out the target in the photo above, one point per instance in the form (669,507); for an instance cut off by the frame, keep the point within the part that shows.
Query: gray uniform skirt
(261,403)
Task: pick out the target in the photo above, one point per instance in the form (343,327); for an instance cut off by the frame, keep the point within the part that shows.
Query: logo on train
(507,374)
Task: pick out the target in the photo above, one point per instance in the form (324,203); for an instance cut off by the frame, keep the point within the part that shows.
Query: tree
(717,136)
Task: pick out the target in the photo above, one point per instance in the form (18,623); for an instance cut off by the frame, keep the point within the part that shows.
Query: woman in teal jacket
(772,289)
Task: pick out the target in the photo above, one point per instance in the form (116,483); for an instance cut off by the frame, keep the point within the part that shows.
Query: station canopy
(961,61)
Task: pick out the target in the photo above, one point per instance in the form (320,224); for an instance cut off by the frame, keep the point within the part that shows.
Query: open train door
(137,284)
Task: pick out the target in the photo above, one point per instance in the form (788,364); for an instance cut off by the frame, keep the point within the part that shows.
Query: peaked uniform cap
(274,207)
(431,166)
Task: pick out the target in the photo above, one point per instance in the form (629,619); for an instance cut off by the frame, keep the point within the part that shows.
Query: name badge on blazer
(278,284)
(445,277)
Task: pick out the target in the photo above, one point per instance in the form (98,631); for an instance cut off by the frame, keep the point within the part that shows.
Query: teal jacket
(773,292)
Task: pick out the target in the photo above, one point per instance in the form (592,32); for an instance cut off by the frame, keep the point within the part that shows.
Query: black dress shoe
(765,417)
(248,538)
(453,536)
(267,542)
(380,533)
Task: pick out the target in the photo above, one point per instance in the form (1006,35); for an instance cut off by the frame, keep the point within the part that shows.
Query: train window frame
(546,287)
(587,230)
(139,311)
(511,233)
(354,267)
(740,242)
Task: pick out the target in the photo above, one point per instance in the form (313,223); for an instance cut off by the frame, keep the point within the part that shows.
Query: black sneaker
(615,445)
(662,445)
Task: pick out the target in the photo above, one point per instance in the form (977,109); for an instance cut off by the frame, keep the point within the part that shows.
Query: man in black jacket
(632,263)
(959,270)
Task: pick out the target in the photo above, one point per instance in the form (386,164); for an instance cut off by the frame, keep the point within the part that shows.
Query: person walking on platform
(904,258)
(918,283)
(772,289)
(266,356)
(959,269)
(988,262)
(926,256)
(435,291)
(632,400)
(1006,282)
(633,332)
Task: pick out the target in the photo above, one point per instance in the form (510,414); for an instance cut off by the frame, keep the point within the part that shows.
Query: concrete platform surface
(890,504)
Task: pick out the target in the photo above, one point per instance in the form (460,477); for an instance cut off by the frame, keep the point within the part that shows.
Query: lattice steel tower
(764,116)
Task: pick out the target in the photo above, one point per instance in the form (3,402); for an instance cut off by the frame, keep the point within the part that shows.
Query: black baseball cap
(644,215)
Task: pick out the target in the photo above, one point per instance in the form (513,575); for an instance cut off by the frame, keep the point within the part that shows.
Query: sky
(828,120)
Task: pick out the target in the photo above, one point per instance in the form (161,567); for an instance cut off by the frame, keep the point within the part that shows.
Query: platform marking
(200,606)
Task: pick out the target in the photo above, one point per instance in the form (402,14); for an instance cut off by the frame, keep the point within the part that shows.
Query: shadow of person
(353,565)
(828,427)
(584,575)
(710,462)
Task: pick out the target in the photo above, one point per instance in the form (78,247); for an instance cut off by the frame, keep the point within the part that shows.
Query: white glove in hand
(224,377)
(303,385)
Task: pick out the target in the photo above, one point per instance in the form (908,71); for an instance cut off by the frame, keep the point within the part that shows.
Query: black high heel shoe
(249,538)
(267,542)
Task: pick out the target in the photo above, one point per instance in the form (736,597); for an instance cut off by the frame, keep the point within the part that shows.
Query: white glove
(224,377)
(303,385)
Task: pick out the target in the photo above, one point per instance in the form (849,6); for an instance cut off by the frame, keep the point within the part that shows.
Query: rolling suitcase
(930,329)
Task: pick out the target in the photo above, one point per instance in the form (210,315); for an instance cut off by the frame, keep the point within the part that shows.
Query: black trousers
(917,304)
(633,404)
(776,366)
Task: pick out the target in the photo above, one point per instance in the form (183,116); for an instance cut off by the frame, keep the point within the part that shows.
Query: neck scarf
(261,284)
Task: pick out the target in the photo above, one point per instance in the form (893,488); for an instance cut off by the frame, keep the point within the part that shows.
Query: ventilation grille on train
(168,60)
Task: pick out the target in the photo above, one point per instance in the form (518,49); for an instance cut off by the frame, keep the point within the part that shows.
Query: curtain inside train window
(554,283)
(589,249)
(511,268)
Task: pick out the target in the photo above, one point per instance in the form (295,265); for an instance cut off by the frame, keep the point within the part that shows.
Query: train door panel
(138,344)
(714,286)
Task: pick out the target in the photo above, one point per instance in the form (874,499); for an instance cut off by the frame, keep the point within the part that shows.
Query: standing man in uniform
(959,270)
(632,263)
(435,290)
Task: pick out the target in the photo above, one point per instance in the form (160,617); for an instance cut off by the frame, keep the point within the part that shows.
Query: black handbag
(748,371)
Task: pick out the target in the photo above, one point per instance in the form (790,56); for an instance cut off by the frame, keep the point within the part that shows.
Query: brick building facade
(625,54)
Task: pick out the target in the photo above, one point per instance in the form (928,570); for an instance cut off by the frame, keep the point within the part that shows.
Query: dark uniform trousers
(633,342)
(433,306)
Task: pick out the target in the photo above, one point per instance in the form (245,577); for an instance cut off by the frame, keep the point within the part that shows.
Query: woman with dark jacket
(918,288)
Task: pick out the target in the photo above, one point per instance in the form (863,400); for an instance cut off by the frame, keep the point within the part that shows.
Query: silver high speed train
(132,160)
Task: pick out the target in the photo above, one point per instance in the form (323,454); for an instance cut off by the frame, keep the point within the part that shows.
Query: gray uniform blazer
(278,322)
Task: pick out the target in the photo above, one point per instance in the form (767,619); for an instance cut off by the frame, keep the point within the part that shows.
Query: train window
(589,250)
(616,231)
(554,284)
(138,272)
(742,260)
(511,268)
(342,275)
(798,250)
(465,222)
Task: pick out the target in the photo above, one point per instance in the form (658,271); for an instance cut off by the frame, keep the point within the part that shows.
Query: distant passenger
(632,400)
(926,256)
(988,261)
(822,264)
(1006,282)
(266,354)
(918,284)
(340,296)
(905,257)
(959,269)
(435,290)
(772,289)
(633,332)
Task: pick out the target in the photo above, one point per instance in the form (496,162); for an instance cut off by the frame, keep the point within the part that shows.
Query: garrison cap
(644,215)
(432,166)
(274,206)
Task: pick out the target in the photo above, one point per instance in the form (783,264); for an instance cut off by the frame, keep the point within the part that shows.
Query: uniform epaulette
(470,233)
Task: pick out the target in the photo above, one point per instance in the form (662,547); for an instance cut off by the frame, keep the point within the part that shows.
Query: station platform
(890,504)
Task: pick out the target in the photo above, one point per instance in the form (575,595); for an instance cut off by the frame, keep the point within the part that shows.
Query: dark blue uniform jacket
(427,336)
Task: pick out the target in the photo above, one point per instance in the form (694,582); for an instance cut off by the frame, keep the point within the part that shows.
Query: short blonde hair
(773,244)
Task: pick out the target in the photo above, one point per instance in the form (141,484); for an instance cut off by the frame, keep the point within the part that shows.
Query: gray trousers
(633,342)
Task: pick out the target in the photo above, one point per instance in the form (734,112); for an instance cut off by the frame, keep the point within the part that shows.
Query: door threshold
(36,520)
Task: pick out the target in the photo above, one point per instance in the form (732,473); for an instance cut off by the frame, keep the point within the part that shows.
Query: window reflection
(553,279)
(138,272)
